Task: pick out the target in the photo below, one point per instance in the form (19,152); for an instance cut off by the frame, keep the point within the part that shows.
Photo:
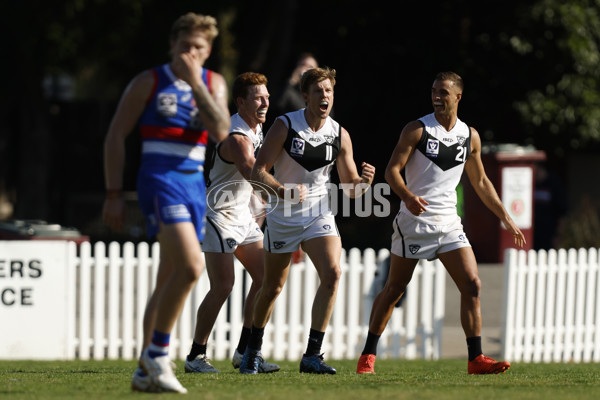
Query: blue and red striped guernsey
(173,136)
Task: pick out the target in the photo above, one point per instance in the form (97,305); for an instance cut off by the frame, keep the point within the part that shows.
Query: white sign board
(517,190)
(33,299)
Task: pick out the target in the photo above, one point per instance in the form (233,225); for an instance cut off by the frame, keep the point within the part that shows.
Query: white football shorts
(414,239)
(284,238)
(225,238)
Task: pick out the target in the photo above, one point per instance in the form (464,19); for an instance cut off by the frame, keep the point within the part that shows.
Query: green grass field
(395,379)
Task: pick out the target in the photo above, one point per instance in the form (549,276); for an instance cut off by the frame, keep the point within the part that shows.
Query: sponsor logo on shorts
(413,248)
(462,237)
(176,211)
(278,244)
(231,243)
(327,227)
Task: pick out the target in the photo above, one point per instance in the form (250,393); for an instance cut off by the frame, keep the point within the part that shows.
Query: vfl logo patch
(278,244)
(166,104)
(231,243)
(297,147)
(413,248)
(433,148)
(327,227)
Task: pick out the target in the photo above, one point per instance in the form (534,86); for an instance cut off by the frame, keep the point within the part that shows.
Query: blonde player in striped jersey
(433,151)
(178,106)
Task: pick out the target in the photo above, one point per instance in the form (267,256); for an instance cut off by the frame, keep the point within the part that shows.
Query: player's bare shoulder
(475,141)
(412,131)
(218,86)
(141,85)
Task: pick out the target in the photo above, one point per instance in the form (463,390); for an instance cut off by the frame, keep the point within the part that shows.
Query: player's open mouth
(262,112)
(324,105)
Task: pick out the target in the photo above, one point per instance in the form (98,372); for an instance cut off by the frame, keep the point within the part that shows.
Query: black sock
(371,344)
(241,347)
(474,346)
(315,341)
(256,338)
(196,349)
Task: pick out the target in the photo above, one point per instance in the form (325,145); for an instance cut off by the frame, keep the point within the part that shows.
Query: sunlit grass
(395,379)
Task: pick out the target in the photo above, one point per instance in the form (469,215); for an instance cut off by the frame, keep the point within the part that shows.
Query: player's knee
(473,287)
(271,291)
(332,276)
(394,291)
(192,272)
(223,287)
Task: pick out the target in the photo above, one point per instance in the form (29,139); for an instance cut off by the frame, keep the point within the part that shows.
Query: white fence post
(83,301)
(551,309)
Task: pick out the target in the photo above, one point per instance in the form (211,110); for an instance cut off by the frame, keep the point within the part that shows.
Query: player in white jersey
(433,151)
(302,147)
(230,225)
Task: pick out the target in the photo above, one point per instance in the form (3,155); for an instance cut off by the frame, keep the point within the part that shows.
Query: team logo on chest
(433,147)
(297,147)
(166,104)
(461,140)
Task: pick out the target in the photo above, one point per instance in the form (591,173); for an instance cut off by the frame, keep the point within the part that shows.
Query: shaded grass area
(394,379)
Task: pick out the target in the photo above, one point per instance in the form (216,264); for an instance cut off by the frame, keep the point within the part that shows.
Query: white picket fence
(111,286)
(551,310)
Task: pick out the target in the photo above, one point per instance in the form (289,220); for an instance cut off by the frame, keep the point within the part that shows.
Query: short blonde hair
(452,77)
(316,75)
(191,22)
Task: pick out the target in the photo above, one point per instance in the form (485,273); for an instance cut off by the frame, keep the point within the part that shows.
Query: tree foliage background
(530,69)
